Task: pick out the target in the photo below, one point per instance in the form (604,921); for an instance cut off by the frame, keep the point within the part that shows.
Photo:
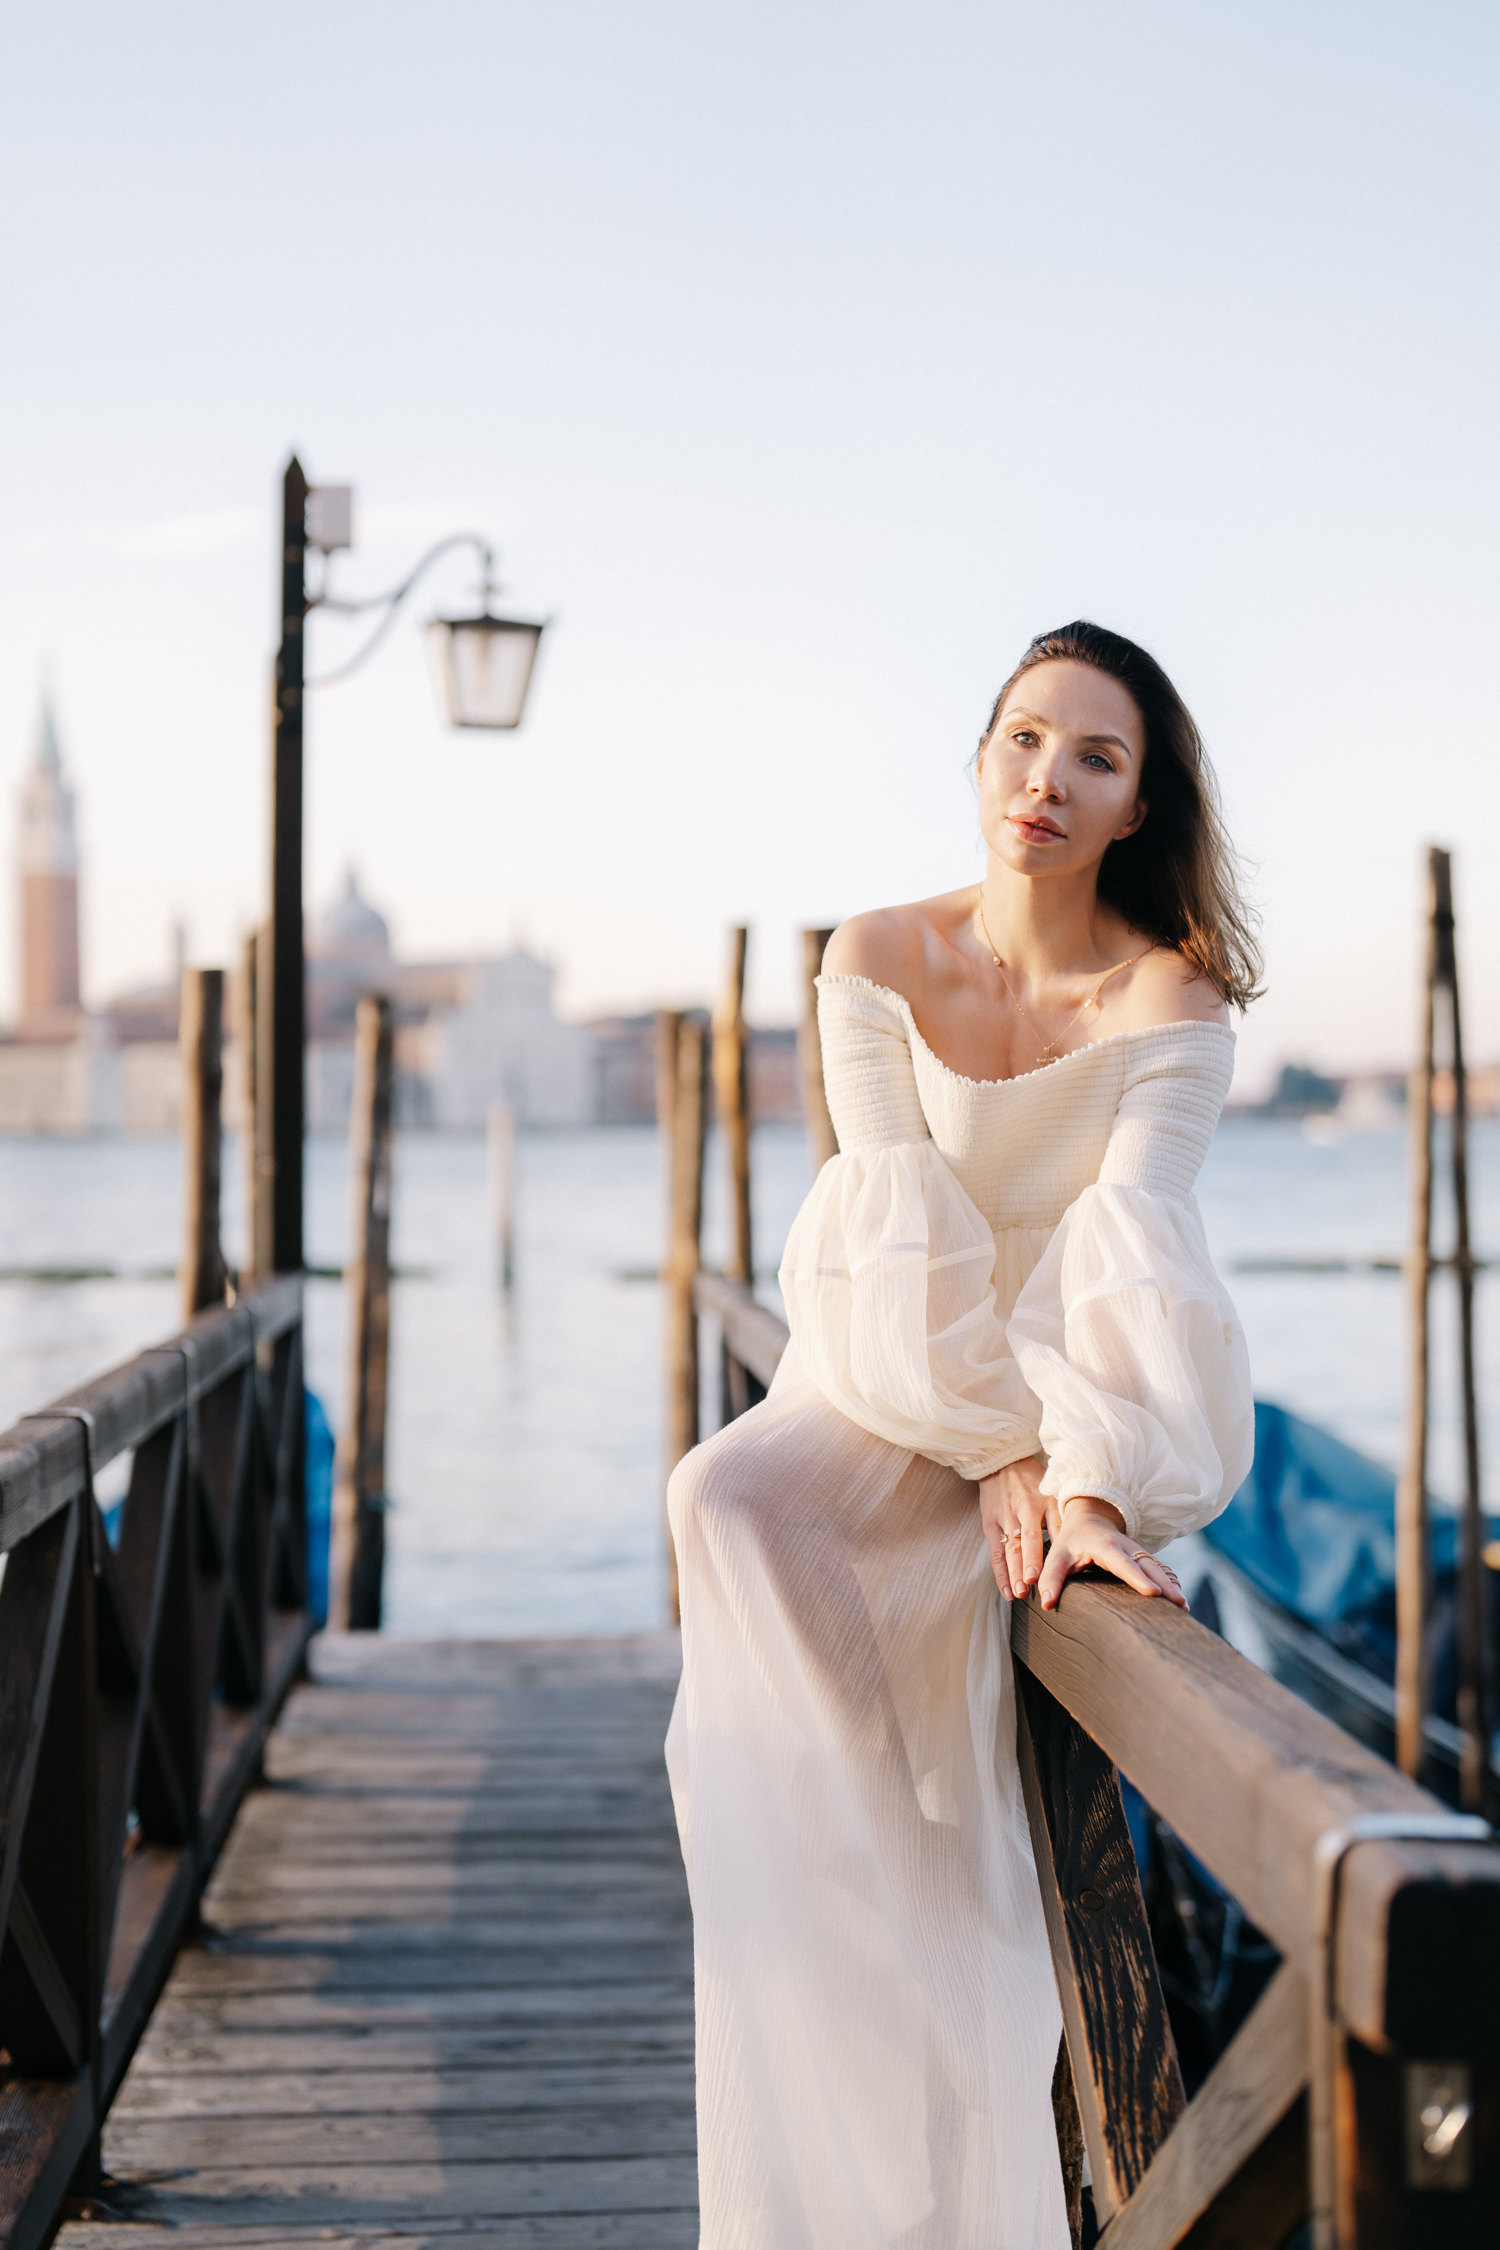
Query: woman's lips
(1035,831)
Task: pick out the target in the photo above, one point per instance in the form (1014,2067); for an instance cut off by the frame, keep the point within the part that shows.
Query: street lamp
(482,667)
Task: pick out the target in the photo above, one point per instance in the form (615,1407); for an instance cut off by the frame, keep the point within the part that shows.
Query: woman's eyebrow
(1116,741)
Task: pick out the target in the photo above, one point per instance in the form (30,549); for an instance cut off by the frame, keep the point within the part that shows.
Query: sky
(802,361)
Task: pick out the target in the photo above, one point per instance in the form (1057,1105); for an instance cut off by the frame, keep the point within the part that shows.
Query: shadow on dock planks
(444,1985)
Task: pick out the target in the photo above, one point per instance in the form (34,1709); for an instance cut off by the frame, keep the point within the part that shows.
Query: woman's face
(1060,776)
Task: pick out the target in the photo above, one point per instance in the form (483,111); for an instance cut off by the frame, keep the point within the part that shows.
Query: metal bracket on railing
(1329,1854)
(85,1421)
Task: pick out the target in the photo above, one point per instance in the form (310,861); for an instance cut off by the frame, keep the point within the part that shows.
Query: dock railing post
(682,1120)
(200,1038)
(822,1141)
(357,1551)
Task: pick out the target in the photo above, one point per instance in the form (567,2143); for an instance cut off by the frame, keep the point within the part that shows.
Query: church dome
(350,929)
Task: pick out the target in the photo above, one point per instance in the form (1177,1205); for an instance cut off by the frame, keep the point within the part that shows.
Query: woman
(1010,1357)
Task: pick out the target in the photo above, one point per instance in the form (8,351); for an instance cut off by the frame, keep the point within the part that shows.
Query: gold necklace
(1049,1052)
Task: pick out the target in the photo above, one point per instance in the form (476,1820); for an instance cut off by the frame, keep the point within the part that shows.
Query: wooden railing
(1363,2089)
(138,1680)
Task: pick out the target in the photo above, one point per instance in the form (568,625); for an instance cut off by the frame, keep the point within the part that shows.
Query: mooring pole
(280,969)
(822,1141)
(252,1036)
(500,1138)
(1413,1546)
(682,1121)
(1473,1687)
(738,1389)
(200,1039)
(731,1070)
(356,1559)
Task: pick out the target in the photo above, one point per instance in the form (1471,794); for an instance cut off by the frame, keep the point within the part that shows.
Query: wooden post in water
(260,1217)
(682,1119)
(200,1039)
(244,1039)
(501,1143)
(731,1065)
(1413,1529)
(821,1138)
(732,1102)
(357,1553)
(1413,1546)
(1473,1698)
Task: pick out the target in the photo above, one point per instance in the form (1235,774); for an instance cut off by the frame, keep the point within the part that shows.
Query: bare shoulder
(891,945)
(1164,988)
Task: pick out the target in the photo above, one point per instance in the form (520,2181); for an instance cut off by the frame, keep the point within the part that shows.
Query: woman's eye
(1098,762)
(1024,739)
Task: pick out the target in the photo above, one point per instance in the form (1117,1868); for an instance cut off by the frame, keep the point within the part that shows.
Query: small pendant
(1047,1057)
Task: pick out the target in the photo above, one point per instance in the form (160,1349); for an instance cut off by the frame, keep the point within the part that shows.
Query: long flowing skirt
(877,2017)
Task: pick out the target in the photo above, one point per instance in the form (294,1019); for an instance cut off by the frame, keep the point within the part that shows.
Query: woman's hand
(1092,1531)
(1014,1513)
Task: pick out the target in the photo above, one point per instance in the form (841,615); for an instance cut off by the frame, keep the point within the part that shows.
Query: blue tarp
(1313,1526)
(319,1489)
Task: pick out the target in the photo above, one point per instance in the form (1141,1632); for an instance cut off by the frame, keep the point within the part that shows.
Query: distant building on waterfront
(1364,1100)
(625,1071)
(469,1032)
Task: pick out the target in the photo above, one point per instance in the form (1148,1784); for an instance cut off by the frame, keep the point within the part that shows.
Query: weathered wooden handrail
(753,1335)
(1281,1776)
(138,1681)
(1264,1790)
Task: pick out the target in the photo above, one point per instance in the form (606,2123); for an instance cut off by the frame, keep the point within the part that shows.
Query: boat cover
(1313,1527)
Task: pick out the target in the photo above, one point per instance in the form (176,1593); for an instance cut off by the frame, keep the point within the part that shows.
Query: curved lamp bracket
(390,601)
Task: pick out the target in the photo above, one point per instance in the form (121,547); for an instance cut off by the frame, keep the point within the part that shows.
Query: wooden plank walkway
(445,1981)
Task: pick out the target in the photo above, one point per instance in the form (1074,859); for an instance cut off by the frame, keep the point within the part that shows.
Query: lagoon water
(524,1451)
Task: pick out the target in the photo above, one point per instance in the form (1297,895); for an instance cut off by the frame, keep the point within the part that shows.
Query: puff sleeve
(1124,1330)
(889,1270)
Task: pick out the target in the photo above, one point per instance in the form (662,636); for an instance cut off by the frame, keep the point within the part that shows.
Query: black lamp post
(483,664)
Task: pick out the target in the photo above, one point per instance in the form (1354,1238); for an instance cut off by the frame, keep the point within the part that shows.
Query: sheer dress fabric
(987,1270)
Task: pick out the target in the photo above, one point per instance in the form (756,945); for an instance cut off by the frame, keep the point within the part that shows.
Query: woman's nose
(1045,779)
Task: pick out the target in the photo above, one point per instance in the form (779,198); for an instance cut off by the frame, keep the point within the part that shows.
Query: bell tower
(49,894)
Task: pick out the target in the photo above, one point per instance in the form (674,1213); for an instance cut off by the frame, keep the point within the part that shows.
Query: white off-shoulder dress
(986,1271)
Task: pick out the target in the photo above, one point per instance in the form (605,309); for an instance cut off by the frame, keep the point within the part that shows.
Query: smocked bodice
(1137,1110)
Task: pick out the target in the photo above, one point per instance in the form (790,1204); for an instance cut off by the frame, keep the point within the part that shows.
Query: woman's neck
(1046,926)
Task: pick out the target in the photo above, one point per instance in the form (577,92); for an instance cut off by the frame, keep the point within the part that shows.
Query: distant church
(468,1033)
(49,895)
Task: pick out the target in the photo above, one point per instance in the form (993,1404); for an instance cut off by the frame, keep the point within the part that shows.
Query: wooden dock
(444,1983)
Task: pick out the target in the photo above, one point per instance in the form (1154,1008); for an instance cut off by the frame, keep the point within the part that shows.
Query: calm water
(524,1443)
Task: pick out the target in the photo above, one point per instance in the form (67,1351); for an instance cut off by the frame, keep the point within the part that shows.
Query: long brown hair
(1178,877)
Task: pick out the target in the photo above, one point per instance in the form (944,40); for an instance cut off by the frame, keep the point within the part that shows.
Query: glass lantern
(482,666)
